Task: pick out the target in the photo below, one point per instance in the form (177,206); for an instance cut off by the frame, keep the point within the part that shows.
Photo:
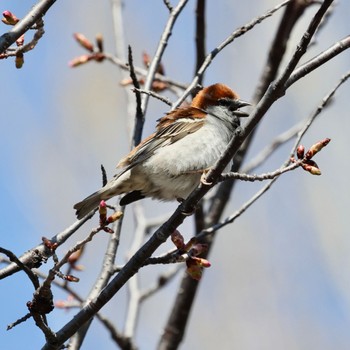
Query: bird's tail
(116,186)
(89,203)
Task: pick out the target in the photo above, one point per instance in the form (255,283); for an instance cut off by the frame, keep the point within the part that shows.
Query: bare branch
(143,72)
(274,92)
(200,36)
(318,60)
(161,282)
(154,94)
(106,273)
(160,49)
(319,109)
(19,321)
(237,33)
(262,177)
(39,254)
(279,140)
(168,5)
(21,266)
(35,14)
(301,133)
(39,32)
(139,116)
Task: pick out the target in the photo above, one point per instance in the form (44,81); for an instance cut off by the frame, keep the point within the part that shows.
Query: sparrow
(168,164)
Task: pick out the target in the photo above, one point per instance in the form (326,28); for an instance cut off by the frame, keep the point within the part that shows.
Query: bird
(168,164)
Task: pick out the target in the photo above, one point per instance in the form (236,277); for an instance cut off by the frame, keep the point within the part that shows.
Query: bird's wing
(171,128)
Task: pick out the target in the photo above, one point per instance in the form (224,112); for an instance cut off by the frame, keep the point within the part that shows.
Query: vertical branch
(111,251)
(139,116)
(200,36)
(200,56)
(175,328)
(133,307)
(160,50)
(118,30)
(102,280)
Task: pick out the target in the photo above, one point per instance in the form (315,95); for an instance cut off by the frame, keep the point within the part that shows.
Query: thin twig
(209,58)
(39,254)
(262,177)
(168,5)
(200,36)
(230,219)
(319,109)
(19,321)
(39,32)
(133,307)
(161,282)
(318,60)
(143,72)
(160,49)
(64,260)
(21,266)
(40,322)
(103,278)
(279,140)
(153,94)
(139,116)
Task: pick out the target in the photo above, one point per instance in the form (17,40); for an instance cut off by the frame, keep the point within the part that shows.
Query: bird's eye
(224,102)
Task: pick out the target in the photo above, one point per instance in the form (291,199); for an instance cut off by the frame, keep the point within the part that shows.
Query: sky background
(280,275)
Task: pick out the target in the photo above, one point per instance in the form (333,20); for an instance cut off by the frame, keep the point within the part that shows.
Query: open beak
(239,104)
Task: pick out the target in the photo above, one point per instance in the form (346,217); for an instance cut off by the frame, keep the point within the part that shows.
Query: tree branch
(209,58)
(160,50)
(318,60)
(39,254)
(36,13)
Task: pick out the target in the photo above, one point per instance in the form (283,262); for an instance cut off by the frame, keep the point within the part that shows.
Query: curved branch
(12,257)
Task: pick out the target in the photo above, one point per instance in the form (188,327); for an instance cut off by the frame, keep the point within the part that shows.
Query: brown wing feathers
(170,129)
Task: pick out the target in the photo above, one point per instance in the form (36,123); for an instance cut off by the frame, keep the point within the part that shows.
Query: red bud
(108,230)
(78,61)
(20,40)
(177,239)
(83,41)
(300,151)
(99,42)
(9,18)
(114,217)
(198,249)
(311,167)
(49,244)
(71,278)
(317,147)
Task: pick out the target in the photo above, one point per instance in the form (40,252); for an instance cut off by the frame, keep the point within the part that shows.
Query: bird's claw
(203,178)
